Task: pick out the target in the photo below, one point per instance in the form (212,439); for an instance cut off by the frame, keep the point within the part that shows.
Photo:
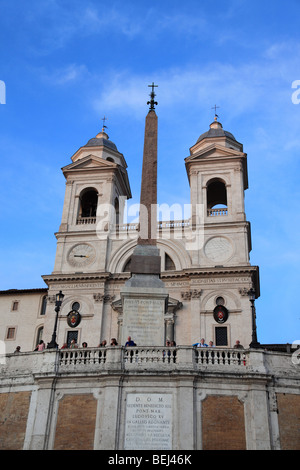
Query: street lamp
(254,343)
(58,301)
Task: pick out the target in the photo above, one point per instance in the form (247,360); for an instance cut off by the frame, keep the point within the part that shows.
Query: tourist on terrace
(129,342)
(202,344)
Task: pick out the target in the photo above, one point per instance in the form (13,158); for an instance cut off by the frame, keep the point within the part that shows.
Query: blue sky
(66,64)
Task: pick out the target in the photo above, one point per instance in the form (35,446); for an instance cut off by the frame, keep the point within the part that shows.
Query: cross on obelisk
(152,96)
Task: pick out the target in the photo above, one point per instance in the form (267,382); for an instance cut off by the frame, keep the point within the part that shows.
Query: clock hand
(81,256)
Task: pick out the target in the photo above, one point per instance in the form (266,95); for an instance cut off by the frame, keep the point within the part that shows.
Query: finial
(103,125)
(215,108)
(152,96)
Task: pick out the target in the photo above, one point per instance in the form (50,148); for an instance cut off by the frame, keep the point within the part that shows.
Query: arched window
(39,335)
(44,305)
(216,198)
(88,206)
(127,267)
(117,211)
(169,263)
(89,203)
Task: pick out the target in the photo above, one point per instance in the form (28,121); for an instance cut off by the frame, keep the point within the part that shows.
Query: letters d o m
(2,92)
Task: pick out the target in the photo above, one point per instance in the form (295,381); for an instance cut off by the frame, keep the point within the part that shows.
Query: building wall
(117,398)
(25,320)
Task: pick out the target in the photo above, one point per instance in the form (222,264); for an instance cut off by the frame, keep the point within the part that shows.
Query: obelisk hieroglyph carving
(144,297)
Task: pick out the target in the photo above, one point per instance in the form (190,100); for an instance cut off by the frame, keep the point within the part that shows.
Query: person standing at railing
(73,344)
(202,344)
(129,342)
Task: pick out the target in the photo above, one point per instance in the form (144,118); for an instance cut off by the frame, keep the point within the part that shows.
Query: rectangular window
(44,305)
(15,306)
(72,335)
(221,336)
(10,333)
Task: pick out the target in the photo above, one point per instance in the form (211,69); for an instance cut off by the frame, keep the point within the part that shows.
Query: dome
(216,130)
(101,139)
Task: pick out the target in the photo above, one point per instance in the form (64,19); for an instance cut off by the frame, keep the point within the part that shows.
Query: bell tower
(217,173)
(97,187)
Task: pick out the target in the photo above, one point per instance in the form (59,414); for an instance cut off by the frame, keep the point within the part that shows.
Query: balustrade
(82,356)
(86,220)
(219,356)
(147,355)
(217,212)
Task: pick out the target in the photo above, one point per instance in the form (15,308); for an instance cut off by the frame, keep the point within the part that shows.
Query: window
(39,335)
(169,263)
(127,267)
(76,306)
(15,306)
(72,335)
(88,199)
(10,333)
(220,301)
(117,211)
(44,305)
(216,198)
(221,336)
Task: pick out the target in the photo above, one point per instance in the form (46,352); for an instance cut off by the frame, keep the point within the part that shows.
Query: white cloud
(65,75)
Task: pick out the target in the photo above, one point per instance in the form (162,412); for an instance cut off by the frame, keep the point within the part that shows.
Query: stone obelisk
(144,297)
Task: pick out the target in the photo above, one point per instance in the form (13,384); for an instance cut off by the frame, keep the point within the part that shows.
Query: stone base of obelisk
(144,300)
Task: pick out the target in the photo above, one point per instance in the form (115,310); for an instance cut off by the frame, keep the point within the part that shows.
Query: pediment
(213,150)
(90,162)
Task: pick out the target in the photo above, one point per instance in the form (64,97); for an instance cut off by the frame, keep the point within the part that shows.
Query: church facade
(145,396)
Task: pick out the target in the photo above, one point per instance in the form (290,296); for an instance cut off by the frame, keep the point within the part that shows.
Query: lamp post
(58,301)
(254,343)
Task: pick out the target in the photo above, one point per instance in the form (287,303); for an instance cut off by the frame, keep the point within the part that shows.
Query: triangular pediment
(213,150)
(90,162)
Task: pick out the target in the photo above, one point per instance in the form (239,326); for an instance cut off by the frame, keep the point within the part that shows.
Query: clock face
(218,249)
(81,255)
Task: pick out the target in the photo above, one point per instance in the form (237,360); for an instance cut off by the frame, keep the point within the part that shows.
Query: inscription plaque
(148,422)
(143,320)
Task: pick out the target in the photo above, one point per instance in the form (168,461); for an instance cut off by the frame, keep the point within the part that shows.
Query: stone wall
(117,398)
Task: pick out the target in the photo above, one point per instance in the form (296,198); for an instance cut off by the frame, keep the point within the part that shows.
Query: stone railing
(82,356)
(86,220)
(217,212)
(136,358)
(119,359)
(149,355)
(169,224)
(213,356)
